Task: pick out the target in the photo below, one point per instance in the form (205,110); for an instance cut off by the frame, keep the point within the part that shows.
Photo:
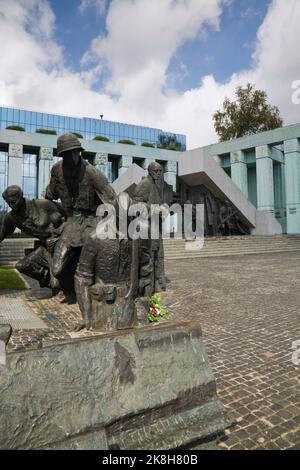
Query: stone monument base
(147,388)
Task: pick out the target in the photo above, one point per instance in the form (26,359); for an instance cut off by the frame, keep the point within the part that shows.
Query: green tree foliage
(77,134)
(248,114)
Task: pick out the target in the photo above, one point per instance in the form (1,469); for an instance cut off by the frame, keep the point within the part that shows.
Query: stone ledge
(123,385)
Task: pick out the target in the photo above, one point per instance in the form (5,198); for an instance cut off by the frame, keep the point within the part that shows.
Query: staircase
(230,246)
(13,249)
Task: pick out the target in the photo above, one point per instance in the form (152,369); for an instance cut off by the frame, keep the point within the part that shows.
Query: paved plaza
(249,309)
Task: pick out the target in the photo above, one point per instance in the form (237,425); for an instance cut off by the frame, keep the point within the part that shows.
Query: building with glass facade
(87,127)
(26,157)
(264,168)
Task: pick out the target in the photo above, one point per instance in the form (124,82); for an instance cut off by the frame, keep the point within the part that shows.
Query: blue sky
(226,51)
(220,53)
(158,63)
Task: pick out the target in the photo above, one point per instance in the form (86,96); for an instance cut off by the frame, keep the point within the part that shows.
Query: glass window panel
(9,114)
(22,117)
(45,120)
(26,170)
(4,114)
(27,117)
(87,125)
(109,172)
(16,116)
(33,118)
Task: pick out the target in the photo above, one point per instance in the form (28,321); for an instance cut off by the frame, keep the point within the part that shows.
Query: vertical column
(44,168)
(170,173)
(239,170)
(279,194)
(292,184)
(124,163)
(264,177)
(15,168)
(101,163)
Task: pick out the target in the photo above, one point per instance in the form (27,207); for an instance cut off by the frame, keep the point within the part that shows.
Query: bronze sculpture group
(105,275)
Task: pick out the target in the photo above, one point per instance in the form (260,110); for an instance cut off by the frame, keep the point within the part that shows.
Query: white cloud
(250,13)
(100,5)
(142,37)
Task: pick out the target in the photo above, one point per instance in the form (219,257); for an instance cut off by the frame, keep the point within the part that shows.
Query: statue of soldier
(81,188)
(102,278)
(38,218)
(152,190)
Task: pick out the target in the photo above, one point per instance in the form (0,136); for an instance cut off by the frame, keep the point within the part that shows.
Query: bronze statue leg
(36,266)
(61,257)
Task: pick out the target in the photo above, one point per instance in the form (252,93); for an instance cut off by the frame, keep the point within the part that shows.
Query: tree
(169,142)
(249,114)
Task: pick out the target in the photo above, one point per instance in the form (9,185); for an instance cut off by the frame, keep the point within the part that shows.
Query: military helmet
(67,142)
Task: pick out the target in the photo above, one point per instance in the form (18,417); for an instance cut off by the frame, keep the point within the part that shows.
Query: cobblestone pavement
(249,309)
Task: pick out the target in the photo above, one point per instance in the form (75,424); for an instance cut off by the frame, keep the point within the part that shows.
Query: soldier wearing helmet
(81,188)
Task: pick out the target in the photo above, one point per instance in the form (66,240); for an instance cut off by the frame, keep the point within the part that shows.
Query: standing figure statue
(152,190)
(40,219)
(81,189)
(103,278)
(226,214)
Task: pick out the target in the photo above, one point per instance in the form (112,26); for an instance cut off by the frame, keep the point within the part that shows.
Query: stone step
(231,248)
(211,255)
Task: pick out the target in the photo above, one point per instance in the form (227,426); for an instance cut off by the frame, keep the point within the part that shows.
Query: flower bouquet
(156,311)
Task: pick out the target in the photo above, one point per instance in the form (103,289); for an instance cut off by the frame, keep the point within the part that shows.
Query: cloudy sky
(159,63)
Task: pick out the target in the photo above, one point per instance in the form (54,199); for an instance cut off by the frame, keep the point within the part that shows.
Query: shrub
(16,128)
(46,131)
(147,144)
(101,137)
(126,141)
(171,147)
(77,134)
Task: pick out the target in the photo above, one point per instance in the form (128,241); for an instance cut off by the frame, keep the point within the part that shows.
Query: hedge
(46,131)
(101,137)
(147,144)
(16,128)
(126,141)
